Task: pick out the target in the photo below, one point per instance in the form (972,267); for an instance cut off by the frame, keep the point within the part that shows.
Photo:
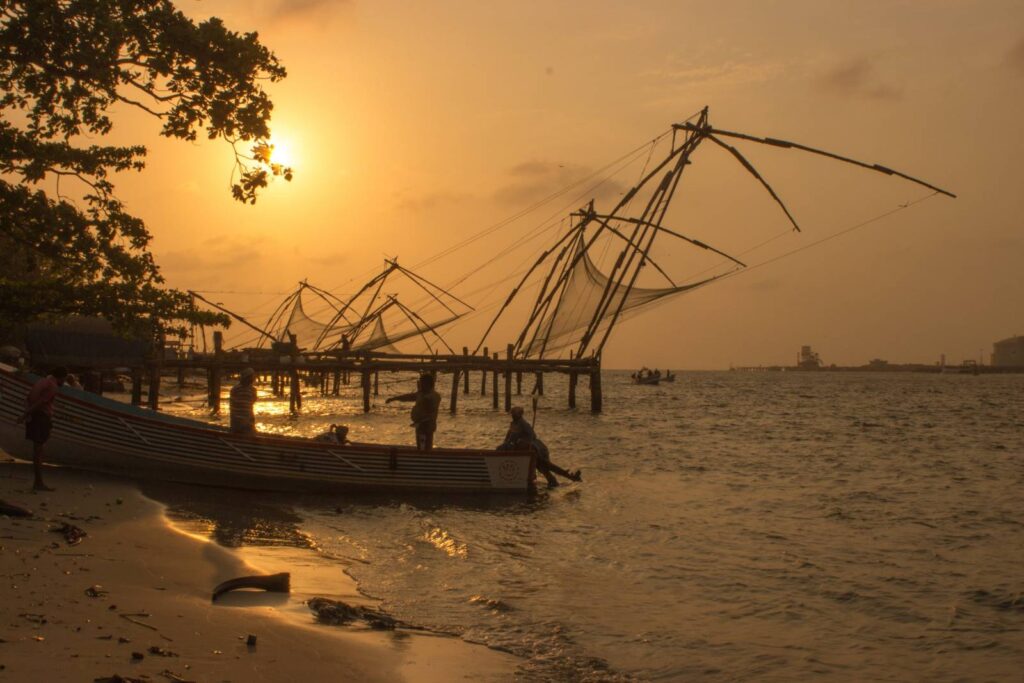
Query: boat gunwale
(216,431)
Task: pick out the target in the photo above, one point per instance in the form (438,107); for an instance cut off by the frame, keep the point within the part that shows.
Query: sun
(282,152)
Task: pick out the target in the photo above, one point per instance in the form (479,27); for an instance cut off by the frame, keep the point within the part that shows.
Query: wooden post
(465,377)
(365,377)
(494,383)
(213,379)
(336,389)
(376,382)
(538,384)
(519,382)
(181,375)
(595,389)
(154,386)
(213,386)
(295,392)
(136,387)
(508,379)
(483,375)
(572,389)
(453,406)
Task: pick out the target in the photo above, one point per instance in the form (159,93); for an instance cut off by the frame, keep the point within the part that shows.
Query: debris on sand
(337,612)
(273,583)
(73,535)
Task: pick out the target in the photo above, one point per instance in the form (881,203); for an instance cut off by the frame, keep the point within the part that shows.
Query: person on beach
(424,411)
(521,436)
(243,398)
(38,419)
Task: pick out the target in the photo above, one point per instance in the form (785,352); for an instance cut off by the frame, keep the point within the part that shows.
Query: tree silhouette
(64,65)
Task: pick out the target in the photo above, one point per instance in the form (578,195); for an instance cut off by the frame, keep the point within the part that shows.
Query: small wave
(491,603)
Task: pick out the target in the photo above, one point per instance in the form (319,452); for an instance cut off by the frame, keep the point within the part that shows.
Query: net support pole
(465,377)
(136,387)
(483,376)
(365,378)
(572,389)
(519,382)
(494,383)
(595,389)
(336,389)
(214,374)
(154,386)
(508,379)
(376,382)
(453,406)
(295,395)
(538,383)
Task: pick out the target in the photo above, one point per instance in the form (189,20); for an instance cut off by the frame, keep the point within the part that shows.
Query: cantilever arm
(753,171)
(661,228)
(813,150)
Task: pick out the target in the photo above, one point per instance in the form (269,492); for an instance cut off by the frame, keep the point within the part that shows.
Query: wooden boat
(669,376)
(95,433)
(646,378)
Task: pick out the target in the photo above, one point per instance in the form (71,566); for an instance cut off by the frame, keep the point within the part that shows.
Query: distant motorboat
(648,377)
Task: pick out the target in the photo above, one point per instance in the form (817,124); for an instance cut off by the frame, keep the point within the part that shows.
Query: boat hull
(99,434)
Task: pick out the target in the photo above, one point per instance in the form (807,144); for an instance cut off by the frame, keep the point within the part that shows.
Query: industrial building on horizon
(1008,353)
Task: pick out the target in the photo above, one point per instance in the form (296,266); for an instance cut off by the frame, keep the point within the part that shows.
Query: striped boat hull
(95,433)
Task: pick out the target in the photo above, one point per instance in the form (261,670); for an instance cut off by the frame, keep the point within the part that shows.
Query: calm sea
(729,526)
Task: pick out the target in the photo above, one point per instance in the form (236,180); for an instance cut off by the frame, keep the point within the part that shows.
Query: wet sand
(134,585)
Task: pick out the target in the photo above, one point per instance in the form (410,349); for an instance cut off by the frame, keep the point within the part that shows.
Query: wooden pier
(331,370)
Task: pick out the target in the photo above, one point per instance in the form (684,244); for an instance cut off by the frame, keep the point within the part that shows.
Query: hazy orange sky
(412,126)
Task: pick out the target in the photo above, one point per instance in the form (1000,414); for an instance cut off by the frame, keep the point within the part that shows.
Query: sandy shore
(133,599)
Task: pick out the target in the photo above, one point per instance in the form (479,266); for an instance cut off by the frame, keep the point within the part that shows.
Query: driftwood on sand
(12,510)
(273,583)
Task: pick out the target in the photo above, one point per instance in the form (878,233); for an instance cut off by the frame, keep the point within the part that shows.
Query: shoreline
(152,581)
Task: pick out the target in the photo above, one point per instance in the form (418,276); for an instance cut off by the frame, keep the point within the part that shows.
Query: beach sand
(152,587)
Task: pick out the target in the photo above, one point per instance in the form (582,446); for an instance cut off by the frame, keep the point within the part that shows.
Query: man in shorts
(38,419)
(424,411)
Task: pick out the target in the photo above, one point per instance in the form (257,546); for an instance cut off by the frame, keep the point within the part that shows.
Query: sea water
(772,526)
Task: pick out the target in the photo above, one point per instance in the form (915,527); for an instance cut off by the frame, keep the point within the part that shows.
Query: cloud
(290,9)
(532,181)
(729,73)
(432,200)
(334,258)
(215,254)
(858,78)
(1015,57)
